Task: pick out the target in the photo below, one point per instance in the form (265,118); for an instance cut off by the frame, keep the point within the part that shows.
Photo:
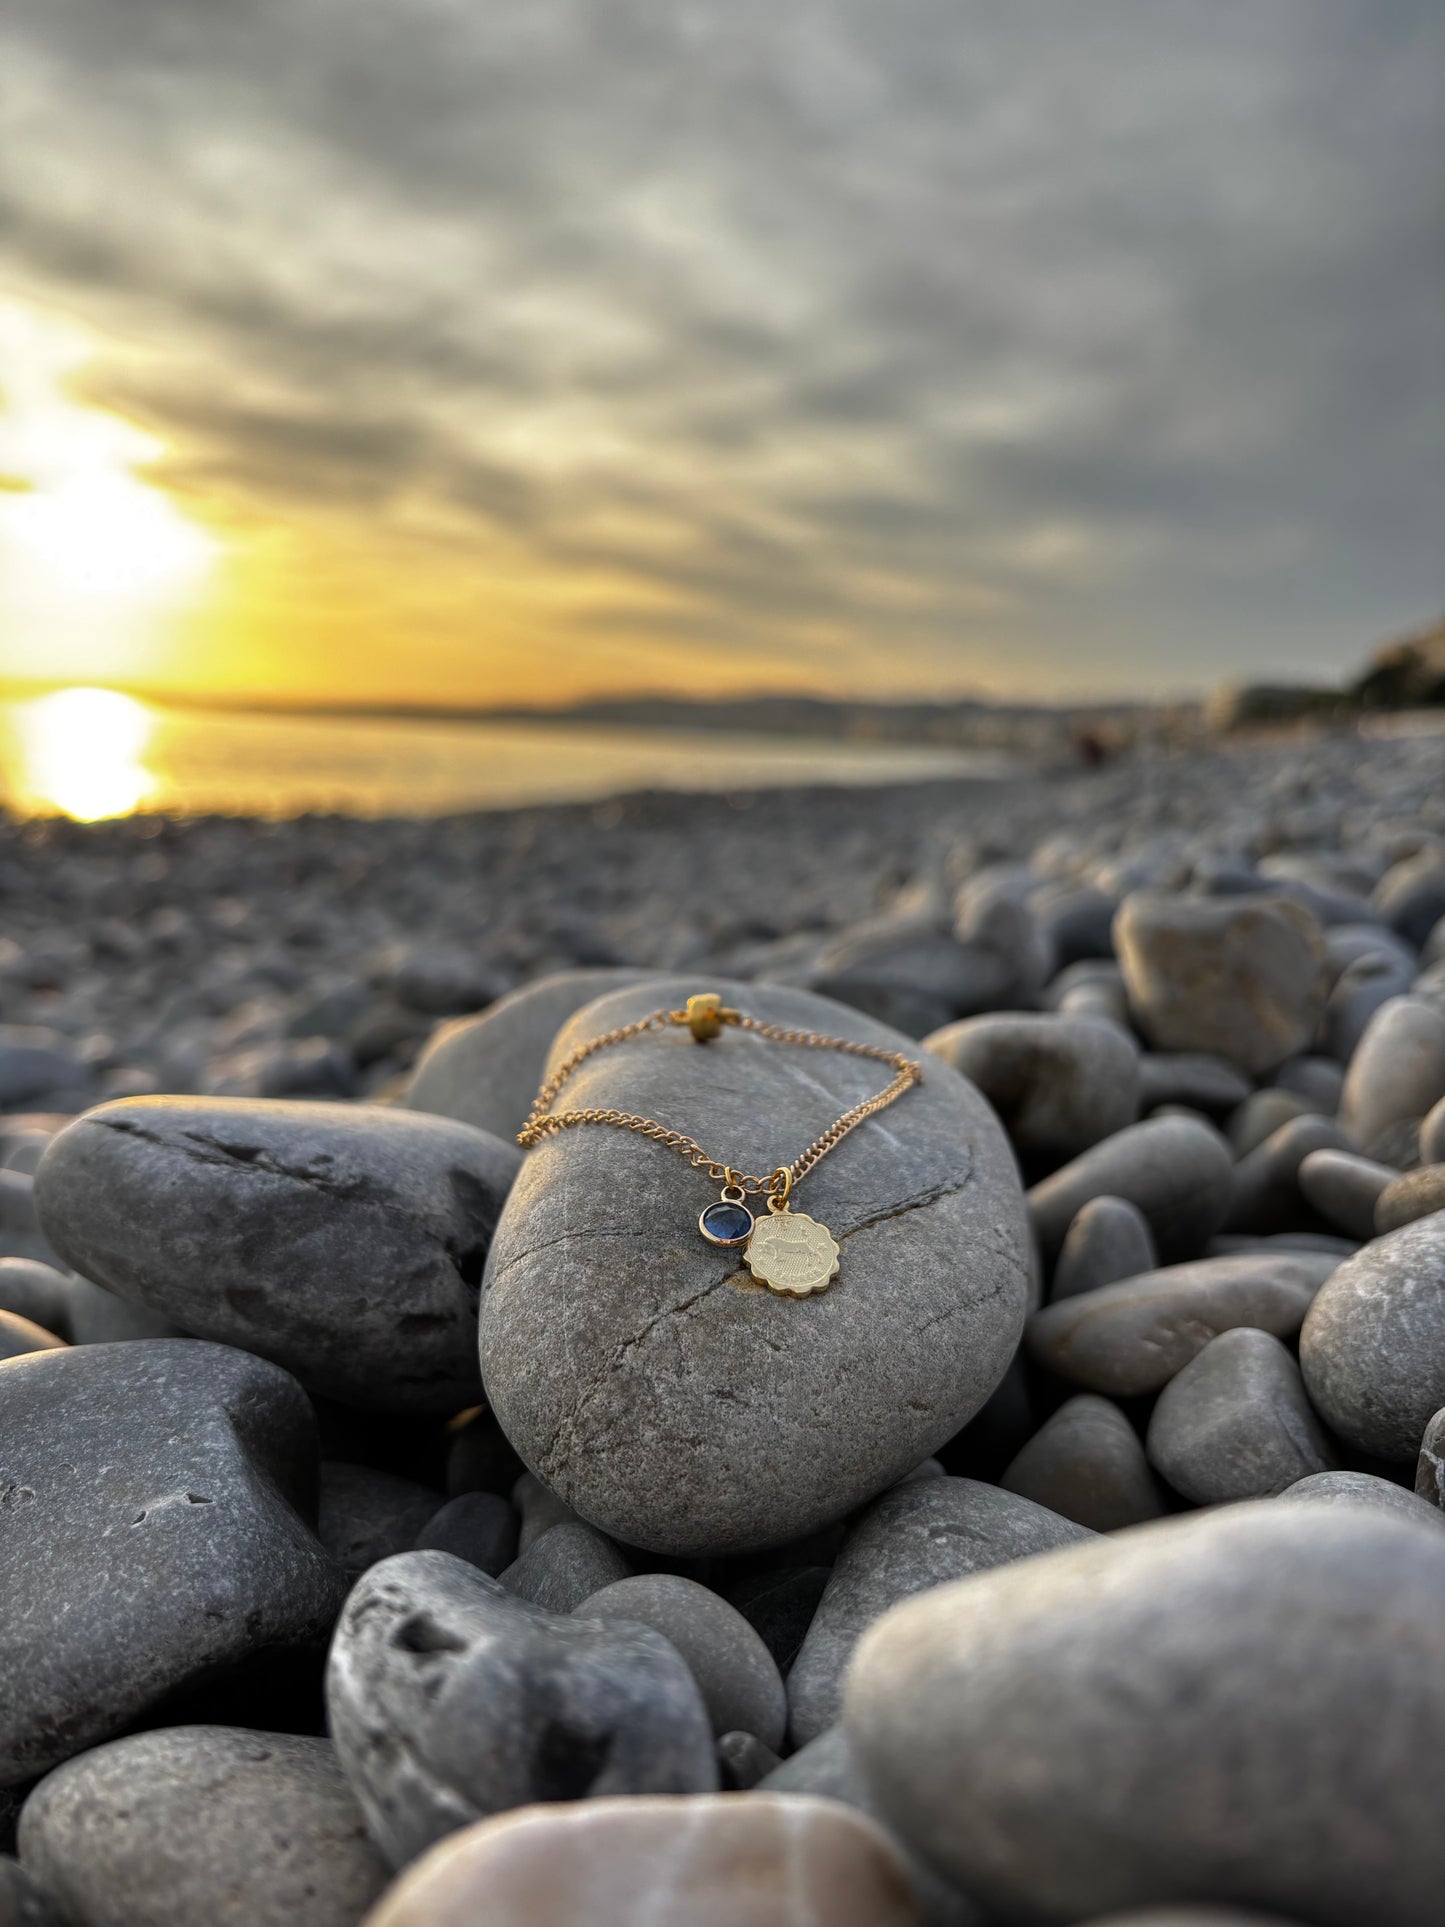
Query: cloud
(939,343)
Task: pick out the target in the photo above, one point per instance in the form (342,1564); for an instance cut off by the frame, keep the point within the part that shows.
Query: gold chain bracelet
(788,1251)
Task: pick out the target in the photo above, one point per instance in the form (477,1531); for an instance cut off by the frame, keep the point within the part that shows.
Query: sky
(441,351)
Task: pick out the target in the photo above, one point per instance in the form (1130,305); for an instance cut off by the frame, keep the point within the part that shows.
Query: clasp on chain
(704,1016)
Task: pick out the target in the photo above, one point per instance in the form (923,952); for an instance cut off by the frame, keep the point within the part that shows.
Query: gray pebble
(1414,1195)
(1320,1081)
(1364,986)
(1194,1078)
(485,1070)
(35,1062)
(743,1761)
(23,1903)
(366,1514)
(911,974)
(1344,1188)
(602,1300)
(97,1317)
(1059,1084)
(912,1538)
(735,1673)
(1242,977)
(1365,1488)
(779,1606)
(203,1823)
(1260,1116)
(540,1509)
(1398,1071)
(37,1292)
(1432,1135)
(1176,1171)
(1373,1345)
(1235,1423)
(162,1490)
(566,1565)
(1109,1239)
(1122,1724)
(1430,1466)
(1411,896)
(344,1242)
(451,1699)
(1086,1463)
(1133,1337)
(1267,1195)
(20,1336)
(479,1527)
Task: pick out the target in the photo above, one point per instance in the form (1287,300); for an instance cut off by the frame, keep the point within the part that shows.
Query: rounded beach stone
(1267,1195)
(779,1605)
(566,1565)
(1398,1070)
(1121,1723)
(19,1336)
(1319,1081)
(917,1536)
(740,1684)
(540,1508)
(479,1527)
(1086,1464)
(1260,1116)
(485,1070)
(1196,1078)
(1235,1423)
(35,1291)
(162,1490)
(202,1823)
(1364,1488)
(23,1902)
(1109,1239)
(1344,1188)
(1134,1336)
(770,1860)
(1176,1171)
(764,1417)
(1432,1135)
(365,1514)
(1411,896)
(1414,1195)
(343,1241)
(451,1699)
(1430,1466)
(1243,978)
(743,1760)
(1058,1084)
(1372,1349)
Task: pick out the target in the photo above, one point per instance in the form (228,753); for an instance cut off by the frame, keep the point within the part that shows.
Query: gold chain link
(543,1122)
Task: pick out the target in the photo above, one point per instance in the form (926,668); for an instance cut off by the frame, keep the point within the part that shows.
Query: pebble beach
(399,1528)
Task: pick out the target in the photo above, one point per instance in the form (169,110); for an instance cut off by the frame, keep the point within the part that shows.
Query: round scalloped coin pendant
(726,1223)
(792,1253)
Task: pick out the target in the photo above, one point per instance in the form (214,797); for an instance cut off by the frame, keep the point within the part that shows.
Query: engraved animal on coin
(792,1253)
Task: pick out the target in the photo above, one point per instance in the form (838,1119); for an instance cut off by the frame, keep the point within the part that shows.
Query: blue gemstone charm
(726,1223)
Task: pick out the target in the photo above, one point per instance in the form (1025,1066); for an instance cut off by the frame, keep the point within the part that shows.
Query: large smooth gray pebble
(1267,1195)
(1373,1345)
(1411,896)
(914,1537)
(1365,1488)
(211,1824)
(1432,1135)
(1122,1723)
(366,1514)
(1194,1078)
(735,1673)
(1235,1423)
(1133,1337)
(343,1241)
(1175,1170)
(451,1699)
(1344,1188)
(1109,1239)
(1086,1463)
(1398,1070)
(1059,1084)
(765,1417)
(566,1565)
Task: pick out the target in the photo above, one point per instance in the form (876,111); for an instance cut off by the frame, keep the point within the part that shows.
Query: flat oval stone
(1122,1723)
(1235,1423)
(645,1377)
(450,1699)
(343,1241)
(769,1860)
(1176,1170)
(1372,1349)
(203,1823)
(1344,1188)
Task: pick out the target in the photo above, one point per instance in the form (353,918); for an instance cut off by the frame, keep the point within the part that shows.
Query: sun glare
(80,751)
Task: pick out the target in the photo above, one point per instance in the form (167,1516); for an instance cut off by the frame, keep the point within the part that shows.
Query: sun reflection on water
(81,752)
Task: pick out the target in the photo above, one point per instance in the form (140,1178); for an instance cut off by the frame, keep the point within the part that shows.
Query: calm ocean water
(93,753)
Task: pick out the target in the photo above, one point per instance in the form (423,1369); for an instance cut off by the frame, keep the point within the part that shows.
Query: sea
(96,753)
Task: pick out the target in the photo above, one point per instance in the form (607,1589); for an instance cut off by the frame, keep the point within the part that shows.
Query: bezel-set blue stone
(726,1223)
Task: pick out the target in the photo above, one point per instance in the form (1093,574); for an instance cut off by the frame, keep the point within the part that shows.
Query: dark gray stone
(1109,1239)
(366,1514)
(1365,1488)
(1267,1195)
(1397,1073)
(35,1291)
(602,1300)
(540,1508)
(1133,1337)
(1411,896)
(1432,1135)
(918,1535)
(1373,1346)
(566,1565)
(479,1527)
(344,1242)
(1086,1464)
(36,1062)
(1235,1422)
(1196,1078)
(1430,1466)
(1058,1084)
(743,1760)
(212,1824)
(23,1903)
(739,1681)
(451,1699)
(1122,1723)
(1175,1170)
(1344,1188)
(1366,984)
(779,1606)
(1320,1081)
(911,974)
(1416,1194)
(1240,977)
(1260,1116)
(98,1317)
(162,1490)
(485,1070)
